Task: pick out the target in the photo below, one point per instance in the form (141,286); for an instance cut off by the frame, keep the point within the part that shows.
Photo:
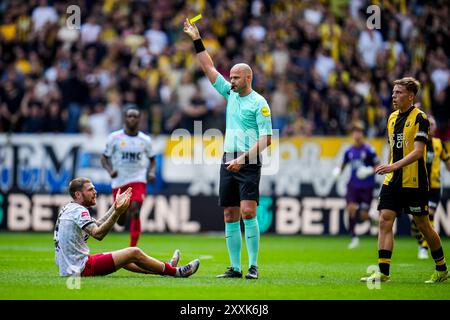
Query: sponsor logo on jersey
(85,214)
(398,140)
(265,111)
(131,156)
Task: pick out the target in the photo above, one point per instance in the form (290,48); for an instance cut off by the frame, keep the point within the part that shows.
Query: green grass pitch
(291,268)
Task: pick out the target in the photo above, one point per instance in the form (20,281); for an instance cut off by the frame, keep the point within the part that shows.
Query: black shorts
(237,186)
(434,197)
(410,201)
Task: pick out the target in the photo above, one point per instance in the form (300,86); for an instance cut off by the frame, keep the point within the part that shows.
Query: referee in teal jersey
(248,133)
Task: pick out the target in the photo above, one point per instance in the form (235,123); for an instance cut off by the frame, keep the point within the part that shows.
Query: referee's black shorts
(241,185)
(404,200)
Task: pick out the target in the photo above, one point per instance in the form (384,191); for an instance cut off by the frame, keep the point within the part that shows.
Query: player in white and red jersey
(75,225)
(130,161)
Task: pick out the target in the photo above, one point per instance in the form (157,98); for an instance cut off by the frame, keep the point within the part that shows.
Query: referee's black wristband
(199,47)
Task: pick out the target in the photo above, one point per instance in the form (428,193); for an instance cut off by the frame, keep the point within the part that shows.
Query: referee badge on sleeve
(265,111)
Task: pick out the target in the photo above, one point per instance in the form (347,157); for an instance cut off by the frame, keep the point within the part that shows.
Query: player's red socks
(135,231)
(169,270)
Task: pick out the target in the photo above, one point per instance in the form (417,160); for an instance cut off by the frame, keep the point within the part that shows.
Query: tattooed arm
(99,231)
(101,228)
(108,213)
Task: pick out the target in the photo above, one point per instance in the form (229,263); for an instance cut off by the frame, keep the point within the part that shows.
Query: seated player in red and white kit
(75,225)
(130,162)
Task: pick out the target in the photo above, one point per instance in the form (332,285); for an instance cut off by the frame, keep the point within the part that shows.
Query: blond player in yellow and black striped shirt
(405,187)
(436,152)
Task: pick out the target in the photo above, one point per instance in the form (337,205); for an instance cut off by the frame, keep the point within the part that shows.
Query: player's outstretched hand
(123,200)
(191,30)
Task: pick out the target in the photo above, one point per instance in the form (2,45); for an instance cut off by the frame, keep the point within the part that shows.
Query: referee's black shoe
(252,273)
(230,273)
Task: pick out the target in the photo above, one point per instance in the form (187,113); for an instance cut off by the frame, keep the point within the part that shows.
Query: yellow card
(196,18)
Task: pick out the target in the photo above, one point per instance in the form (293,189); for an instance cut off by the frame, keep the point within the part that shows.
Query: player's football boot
(252,273)
(175,258)
(438,276)
(376,276)
(230,273)
(189,269)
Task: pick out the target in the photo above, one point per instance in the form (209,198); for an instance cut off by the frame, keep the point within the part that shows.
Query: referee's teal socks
(234,243)
(252,240)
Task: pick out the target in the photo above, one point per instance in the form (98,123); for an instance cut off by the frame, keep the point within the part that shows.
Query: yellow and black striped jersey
(436,151)
(403,129)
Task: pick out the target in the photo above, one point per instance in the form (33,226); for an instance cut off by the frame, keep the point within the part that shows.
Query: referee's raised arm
(202,55)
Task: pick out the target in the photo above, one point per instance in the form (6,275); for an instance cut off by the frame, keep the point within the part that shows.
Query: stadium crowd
(317,61)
